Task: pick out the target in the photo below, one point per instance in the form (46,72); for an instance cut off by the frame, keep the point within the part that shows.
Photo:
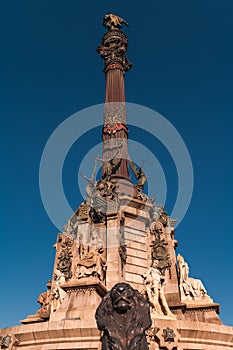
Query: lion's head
(121,296)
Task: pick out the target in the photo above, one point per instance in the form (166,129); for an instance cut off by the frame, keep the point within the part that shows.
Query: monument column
(115,132)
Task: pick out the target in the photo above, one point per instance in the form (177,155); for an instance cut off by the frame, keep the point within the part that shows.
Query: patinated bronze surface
(112,21)
(123,316)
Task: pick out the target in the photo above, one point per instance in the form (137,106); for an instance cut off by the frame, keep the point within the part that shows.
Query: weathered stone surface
(72,334)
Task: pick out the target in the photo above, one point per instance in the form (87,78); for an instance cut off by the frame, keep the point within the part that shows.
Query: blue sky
(182,56)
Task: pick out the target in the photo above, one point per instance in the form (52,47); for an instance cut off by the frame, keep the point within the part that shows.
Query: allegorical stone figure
(93,263)
(123,315)
(183,269)
(153,281)
(58,294)
(190,288)
(140,176)
(90,184)
(45,299)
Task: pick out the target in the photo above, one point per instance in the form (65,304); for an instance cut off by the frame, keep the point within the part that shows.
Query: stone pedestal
(202,312)
(194,326)
(165,334)
(81,301)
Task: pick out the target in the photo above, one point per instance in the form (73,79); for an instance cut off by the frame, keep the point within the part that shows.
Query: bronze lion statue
(123,315)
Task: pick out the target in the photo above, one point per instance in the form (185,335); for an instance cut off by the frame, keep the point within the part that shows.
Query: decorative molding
(194,309)
(80,290)
(91,284)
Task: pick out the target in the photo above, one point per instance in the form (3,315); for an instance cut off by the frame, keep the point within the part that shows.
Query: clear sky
(182,56)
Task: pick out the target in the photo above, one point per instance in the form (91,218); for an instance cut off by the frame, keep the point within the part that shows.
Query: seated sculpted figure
(93,263)
(190,288)
(44,299)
